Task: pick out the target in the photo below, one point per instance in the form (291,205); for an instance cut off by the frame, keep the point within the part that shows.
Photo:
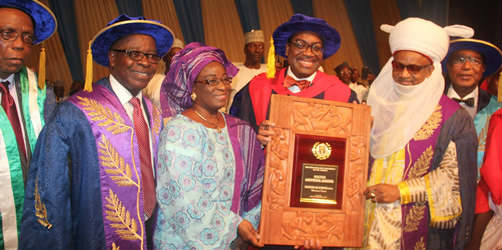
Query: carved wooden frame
(284,225)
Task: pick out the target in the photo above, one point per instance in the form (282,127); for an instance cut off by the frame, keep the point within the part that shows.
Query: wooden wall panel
(335,13)
(163,11)
(384,12)
(57,68)
(222,28)
(92,16)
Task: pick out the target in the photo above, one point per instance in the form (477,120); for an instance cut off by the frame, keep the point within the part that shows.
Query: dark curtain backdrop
(362,25)
(132,8)
(190,19)
(303,7)
(248,14)
(433,10)
(67,27)
(485,17)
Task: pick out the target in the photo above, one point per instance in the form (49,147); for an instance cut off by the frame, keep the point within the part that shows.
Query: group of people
(110,169)
(350,76)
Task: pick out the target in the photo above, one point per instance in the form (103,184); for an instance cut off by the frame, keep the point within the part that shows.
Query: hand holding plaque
(315,173)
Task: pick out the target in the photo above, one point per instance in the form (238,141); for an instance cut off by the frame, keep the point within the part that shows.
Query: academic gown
(252,103)
(67,205)
(35,106)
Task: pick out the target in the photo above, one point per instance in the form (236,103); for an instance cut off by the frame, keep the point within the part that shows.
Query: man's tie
(290,81)
(469,101)
(143,136)
(9,106)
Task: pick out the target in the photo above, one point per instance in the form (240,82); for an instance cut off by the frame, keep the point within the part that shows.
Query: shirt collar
(453,94)
(10,79)
(309,78)
(122,93)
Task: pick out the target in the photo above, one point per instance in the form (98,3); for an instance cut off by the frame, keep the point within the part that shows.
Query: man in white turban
(421,188)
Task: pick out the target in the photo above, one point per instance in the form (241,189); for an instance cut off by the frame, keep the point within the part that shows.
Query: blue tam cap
(492,55)
(125,25)
(44,20)
(299,23)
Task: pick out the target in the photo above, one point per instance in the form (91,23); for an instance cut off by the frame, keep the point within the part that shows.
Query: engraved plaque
(315,173)
(319,184)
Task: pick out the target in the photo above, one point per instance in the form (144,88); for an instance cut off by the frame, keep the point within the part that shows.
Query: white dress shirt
(124,97)
(474,94)
(295,89)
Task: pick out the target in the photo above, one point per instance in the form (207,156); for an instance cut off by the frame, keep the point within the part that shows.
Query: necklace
(218,129)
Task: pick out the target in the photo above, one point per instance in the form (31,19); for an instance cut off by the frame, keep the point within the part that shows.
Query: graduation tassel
(41,69)
(271,60)
(88,70)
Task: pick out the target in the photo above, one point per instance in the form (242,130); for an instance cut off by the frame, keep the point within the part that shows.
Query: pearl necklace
(218,129)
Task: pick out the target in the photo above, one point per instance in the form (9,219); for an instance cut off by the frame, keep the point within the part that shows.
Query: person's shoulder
(237,122)
(332,80)
(239,65)
(261,79)
(497,114)
(176,120)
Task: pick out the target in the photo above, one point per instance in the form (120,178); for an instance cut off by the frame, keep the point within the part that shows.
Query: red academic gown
(252,102)
(491,170)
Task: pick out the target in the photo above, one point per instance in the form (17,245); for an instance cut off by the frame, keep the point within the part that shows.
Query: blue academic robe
(65,169)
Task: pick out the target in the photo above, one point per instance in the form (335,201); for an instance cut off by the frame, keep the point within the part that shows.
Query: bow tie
(302,84)
(469,101)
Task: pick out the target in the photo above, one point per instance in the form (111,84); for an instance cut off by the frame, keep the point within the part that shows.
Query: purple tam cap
(492,56)
(185,67)
(299,23)
(125,25)
(44,21)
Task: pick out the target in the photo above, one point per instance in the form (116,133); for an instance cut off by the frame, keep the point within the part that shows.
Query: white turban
(424,36)
(399,111)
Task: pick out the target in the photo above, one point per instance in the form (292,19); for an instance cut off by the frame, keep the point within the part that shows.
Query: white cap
(254,36)
(424,36)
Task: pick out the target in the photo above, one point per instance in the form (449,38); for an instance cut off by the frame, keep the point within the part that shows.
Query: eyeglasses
(303,46)
(411,68)
(139,55)
(12,35)
(214,81)
(461,60)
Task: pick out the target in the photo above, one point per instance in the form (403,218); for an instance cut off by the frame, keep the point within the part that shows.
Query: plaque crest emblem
(321,150)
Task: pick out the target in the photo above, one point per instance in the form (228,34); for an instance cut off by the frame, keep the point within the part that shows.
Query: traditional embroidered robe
(251,104)
(207,182)
(35,106)
(435,173)
(84,189)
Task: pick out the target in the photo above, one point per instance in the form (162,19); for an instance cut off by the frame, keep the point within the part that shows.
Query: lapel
(484,99)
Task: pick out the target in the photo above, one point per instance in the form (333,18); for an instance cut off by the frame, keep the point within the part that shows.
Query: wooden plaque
(316,174)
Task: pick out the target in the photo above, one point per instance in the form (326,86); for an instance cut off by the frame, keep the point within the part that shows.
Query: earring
(193,96)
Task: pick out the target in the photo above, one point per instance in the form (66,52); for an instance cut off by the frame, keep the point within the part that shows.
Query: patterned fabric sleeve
(194,188)
(443,197)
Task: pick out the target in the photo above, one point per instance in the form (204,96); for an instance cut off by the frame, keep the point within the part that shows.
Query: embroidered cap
(254,36)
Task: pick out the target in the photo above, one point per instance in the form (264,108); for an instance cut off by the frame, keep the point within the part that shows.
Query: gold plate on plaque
(321,150)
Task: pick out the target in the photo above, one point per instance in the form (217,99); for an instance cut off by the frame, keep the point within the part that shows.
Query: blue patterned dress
(195,185)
